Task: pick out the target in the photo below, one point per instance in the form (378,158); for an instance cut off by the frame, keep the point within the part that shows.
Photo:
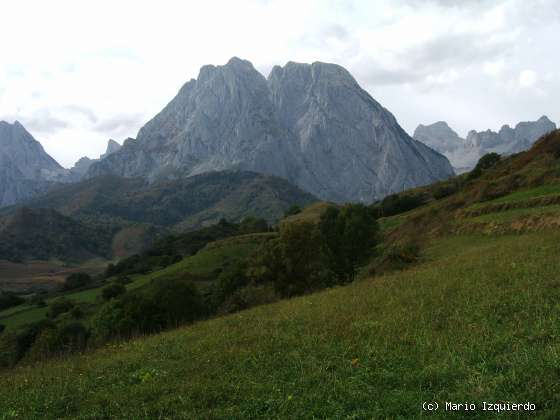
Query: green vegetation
(441,302)
(45,234)
(477,322)
(76,281)
(487,161)
(524,195)
(8,300)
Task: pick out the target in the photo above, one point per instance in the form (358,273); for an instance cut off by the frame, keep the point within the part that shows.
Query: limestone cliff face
(25,168)
(311,124)
(464,153)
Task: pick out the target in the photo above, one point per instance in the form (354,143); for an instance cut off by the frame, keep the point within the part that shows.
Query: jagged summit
(311,124)
(464,153)
(25,168)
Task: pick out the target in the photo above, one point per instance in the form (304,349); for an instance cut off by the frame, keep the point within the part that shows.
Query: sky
(77,73)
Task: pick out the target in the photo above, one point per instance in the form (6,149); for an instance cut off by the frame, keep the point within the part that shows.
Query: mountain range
(311,124)
(464,153)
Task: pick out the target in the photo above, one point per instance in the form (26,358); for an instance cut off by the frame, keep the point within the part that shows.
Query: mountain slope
(43,234)
(25,168)
(310,124)
(464,153)
(182,204)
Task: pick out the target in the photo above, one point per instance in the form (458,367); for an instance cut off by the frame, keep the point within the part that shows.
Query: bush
(398,203)
(229,280)
(72,337)
(295,209)
(396,257)
(54,340)
(247,297)
(38,300)
(124,280)
(59,307)
(445,190)
(77,280)
(489,160)
(164,303)
(112,291)
(2,328)
(15,345)
(8,300)
(76,312)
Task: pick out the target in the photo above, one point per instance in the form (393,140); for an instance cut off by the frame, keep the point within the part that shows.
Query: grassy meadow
(477,320)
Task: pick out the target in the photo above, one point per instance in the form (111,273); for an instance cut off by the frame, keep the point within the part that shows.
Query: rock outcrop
(311,124)
(464,153)
(81,167)
(25,168)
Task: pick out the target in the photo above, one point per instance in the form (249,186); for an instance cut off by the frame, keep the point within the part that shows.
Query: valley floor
(478,321)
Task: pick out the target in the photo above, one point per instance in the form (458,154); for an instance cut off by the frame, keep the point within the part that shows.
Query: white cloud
(81,72)
(527,78)
(494,68)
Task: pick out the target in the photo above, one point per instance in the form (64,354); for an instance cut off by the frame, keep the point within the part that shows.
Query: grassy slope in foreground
(478,321)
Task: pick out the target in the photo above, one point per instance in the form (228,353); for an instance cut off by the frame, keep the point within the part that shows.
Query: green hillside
(185,203)
(457,302)
(478,321)
(44,234)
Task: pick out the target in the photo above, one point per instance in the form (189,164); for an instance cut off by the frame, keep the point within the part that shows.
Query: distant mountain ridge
(81,167)
(126,214)
(25,168)
(464,153)
(311,124)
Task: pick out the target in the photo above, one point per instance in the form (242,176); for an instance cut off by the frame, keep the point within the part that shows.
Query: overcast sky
(77,73)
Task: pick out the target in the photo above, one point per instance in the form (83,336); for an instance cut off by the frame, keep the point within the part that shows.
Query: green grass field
(478,320)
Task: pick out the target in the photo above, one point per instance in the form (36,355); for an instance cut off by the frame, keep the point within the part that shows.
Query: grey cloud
(83,110)
(42,121)
(445,53)
(455,50)
(120,124)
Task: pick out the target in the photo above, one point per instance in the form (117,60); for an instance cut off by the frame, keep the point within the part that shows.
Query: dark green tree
(112,291)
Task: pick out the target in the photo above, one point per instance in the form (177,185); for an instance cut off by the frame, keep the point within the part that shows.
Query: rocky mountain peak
(309,123)
(506,141)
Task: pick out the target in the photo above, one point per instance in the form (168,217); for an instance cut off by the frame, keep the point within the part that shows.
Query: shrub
(72,336)
(77,280)
(124,280)
(398,203)
(164,303)
(247,297)
(2,328)
(295,209)
(445,190)
(58,307)
(8,300)
(54,340)
(230,279)
(396,257)
(112,291)
(15,345)
(38,300)
(489,160)
(76,312)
